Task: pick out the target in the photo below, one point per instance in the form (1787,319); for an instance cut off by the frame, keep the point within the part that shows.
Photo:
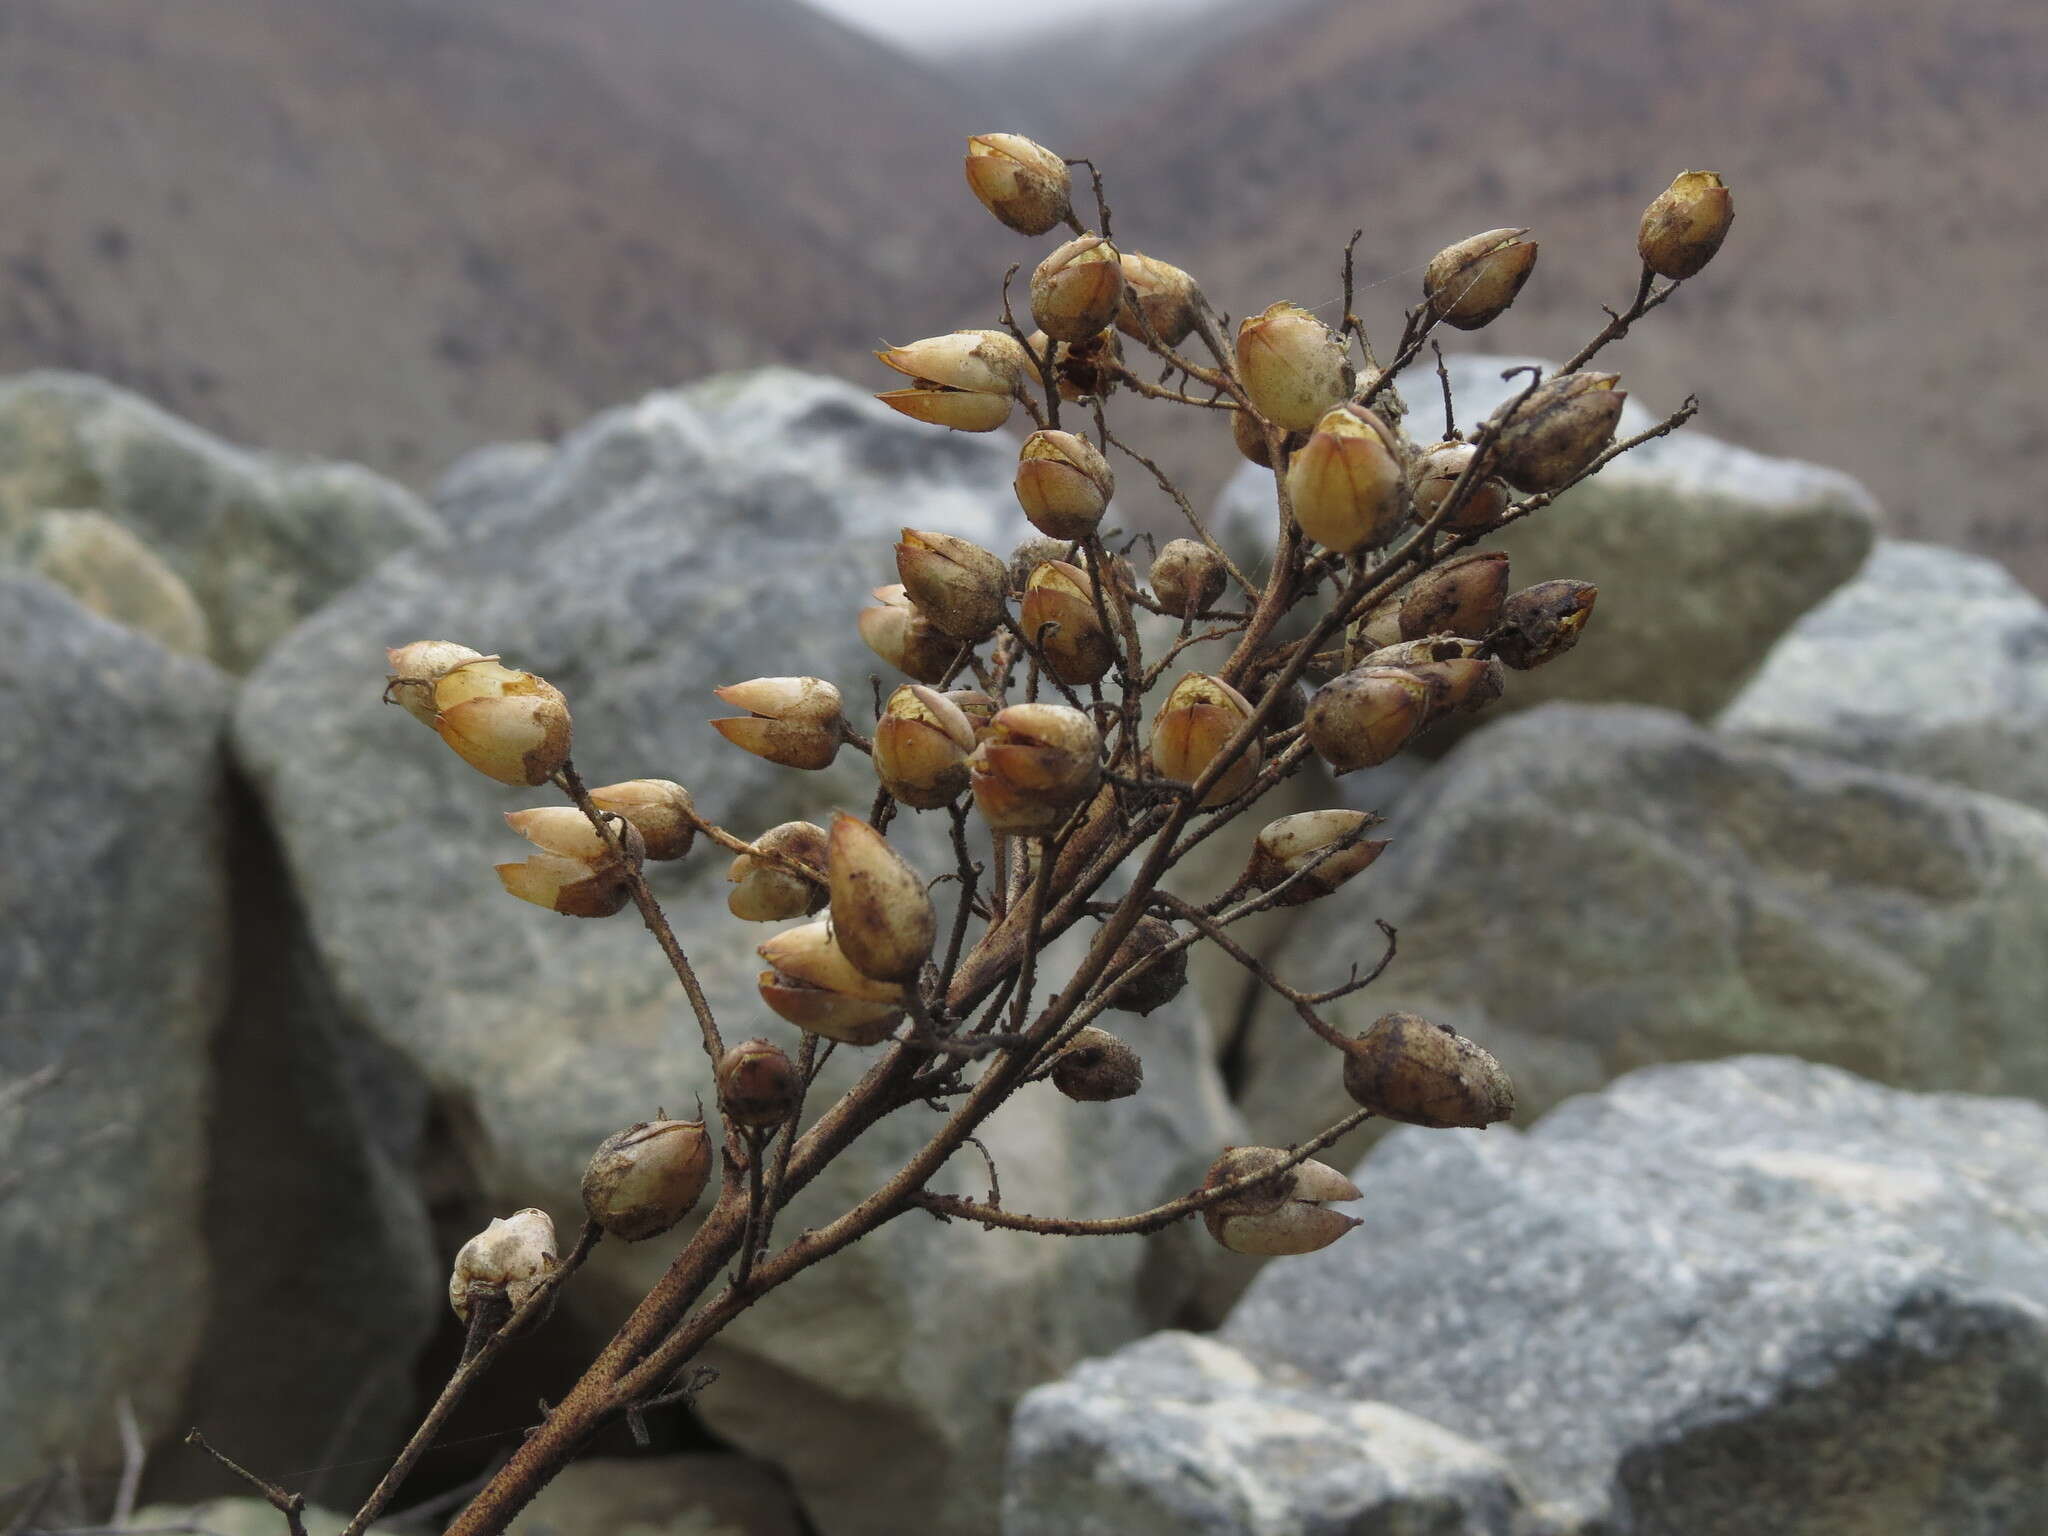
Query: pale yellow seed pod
(1036,762)
(794,721)
(1280,1215)
(569,886)
(415,668)
(1469,284)
(1293,843)
(1346,483)
(882,919)
(1077,649)
(962,410)
(953,582)
(812,984)
(980,362)
(1063,483)
(508,725)
(1198,719)
(1020,181)
(659,809)
(904,637)
(765,891)
(645,1179)
(1292,365)
(1685,225)
(921,746)
(1157,292)
(1077,290)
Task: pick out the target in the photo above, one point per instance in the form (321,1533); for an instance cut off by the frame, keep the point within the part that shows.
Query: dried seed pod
(1469,284)
(898,632)
(1020,181)
(1063,484)
(977,706)
(1187,578)
(660,811)
(1293,366)
(1436,475)
(882,919)
(1077,648)
(1462,596)
(415,668)
(954,582)
(1363,718)
(506,1262)
(1409,653)
(1405,1068)
(508,725)
(1685,225)
(921,746)
(1164,295)
(1279,1215)
(766,892)
(963,410)
(1380,627)
(1083,368)
(1559,431)
(980,362)
(1461,686)
(1541,623)
(647,1178)
(758,1085)
(1346,483)
(1077,290)
(812,984)
(1036,762)
(1097,1067)
(1029,555)
(794,721)
(1293,843)
(1198,719)
(1161,981)
(1250,438)
(576,873)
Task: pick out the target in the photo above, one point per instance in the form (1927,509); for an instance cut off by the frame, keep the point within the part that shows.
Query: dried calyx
(504,1264)
(1279,1214)
(643,1180)
(1405,1068)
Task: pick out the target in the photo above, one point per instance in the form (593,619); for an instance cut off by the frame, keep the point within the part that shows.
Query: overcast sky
(916,25)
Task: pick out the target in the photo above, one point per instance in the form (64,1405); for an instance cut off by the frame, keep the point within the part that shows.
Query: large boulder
(698,538)
(1704,553)
(1755,1295)
(114,958)
(1181,1435)
(1585,890)
(260,542)
(1932,662)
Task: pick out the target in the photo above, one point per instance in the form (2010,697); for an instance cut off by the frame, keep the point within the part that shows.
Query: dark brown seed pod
(1097,1067)
(1160,983)
(1540,623)
(1462,596)
(758,1085)
(1405,1068)
(645,1179)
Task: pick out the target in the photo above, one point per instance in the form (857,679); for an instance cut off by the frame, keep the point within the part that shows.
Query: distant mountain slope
(391,229)
(1880,305)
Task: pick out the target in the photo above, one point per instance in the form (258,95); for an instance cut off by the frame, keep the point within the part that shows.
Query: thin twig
(291,1505)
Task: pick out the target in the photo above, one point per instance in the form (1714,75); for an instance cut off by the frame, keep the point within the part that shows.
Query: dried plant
(1024,724)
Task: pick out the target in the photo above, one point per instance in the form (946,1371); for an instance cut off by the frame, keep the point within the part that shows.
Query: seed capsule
(1021,182)
(898,632)
(576,873)
(956,584)
(1279,1215)
(882,919)
(1436,476)
(1187,578)
(921,746)
(962,410)
(980,362)
(1460,686)
(812,984)
(1559,431)
(1463,596)
(1410,653)
(766,892)
(1363,718)
(1469,284)
(1198,720)
(505,1262)
(1250,438)
(1077,648)
(660,811)
(1161,294)
(508,725)
(1405,1068)
(1540,623)
(645,1179)
(1685,225)
(794,721)
(1293,843)
(1346,484)
(1036,762)
(1063,484)
(1077,290)
(1161,981)
(415,668)
(758,1085)
(1097,1067)
(1292,365)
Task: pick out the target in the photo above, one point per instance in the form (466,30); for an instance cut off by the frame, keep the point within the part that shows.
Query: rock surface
(114,949)
(259,542)
(1932,662)
(1704,553)
(1180,1435)
(1753,1295)
(694,539)
(1585,890)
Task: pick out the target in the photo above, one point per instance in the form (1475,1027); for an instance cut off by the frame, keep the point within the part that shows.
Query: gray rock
(1755,1295)
(113,969)
(488,476)
(1181,1435)
(260,542)
(1587,890)
(703,1494)
(1932,662)
(114,574)
(694,539)
(1704,554)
